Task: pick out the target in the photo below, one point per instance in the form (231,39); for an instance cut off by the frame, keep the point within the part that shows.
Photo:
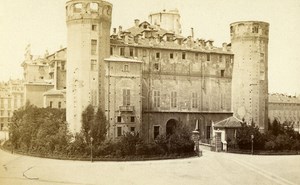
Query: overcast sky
(41,23)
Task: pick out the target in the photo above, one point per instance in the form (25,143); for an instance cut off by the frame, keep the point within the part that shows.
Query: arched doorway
(171,126)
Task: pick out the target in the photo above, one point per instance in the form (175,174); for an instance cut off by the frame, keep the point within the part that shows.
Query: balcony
(126,108)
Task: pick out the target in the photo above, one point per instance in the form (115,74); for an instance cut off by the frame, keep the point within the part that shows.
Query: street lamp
(92,149)
(252,137)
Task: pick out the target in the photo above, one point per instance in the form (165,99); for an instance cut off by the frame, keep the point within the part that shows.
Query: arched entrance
(171,126)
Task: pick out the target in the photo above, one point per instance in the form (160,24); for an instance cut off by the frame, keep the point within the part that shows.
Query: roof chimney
(114,30)
(136,22)
(120,29)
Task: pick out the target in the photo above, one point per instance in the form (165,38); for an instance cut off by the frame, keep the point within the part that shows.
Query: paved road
(212,168)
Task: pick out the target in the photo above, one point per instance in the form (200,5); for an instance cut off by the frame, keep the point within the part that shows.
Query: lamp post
(252,137)
(92,149)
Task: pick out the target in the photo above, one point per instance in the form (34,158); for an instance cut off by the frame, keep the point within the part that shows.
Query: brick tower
(88,23)
(249,40)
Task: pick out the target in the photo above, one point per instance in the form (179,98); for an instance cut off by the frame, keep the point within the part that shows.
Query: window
(208,130)
(94,27)
(93,65)
(255,29)
(126,68)
(156,98)
(94,6)
(173,99)
(111,50)
(183,56)
(132,129)
(93,47)
(2,113)
(194,100)
(222,73)
(63,67)
(59,105)
(50,104)
(208,57)
(77,7)
(156,131)
(122,51)
(132,119)
(156,66)
(157,55)
(119,119)
(126,97)
(131,52)
(171,55)
(119,131)
(2,103)
(196,56)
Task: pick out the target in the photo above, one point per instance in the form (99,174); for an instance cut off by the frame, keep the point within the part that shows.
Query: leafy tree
(87,122)
(244,140)
(99,128)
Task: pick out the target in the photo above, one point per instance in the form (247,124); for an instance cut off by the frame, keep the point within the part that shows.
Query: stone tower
(169,20)
(88,23)
(249,40)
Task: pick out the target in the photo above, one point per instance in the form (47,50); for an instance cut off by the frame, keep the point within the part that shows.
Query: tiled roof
(231,122)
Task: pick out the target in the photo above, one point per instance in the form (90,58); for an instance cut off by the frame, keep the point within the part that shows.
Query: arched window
(94,7)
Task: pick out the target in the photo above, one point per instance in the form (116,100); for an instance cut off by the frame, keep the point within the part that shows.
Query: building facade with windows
(285,109)
(148,78)
(11,99)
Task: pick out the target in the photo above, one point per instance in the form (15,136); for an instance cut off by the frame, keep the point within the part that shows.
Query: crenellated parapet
(88,9)
(246,29)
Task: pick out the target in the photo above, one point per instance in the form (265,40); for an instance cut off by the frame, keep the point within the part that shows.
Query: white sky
(42,24)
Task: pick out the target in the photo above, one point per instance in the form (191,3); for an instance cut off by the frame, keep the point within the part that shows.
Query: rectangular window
(144,53)
(111,51)
(50,104)
(132,119)
(183,56)
(2,113)
(93,47)
(208,128)
(157,55)
(93,65)
(173,99)
(194,100)
(222,73)
(155,131)
(62,67)
(126,68)
(131,52)
(208,57)
(94,27)
(59,105)
(122,51)
(119,119)
(126,97)
(132,129)
(156,66)
(119,131)
(171,55)
(156,98)
(196,56)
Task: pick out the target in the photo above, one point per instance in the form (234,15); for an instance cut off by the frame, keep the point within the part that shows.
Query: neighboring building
(249,42)
(225,131)
(11,99)
(37,78)
(285,109)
